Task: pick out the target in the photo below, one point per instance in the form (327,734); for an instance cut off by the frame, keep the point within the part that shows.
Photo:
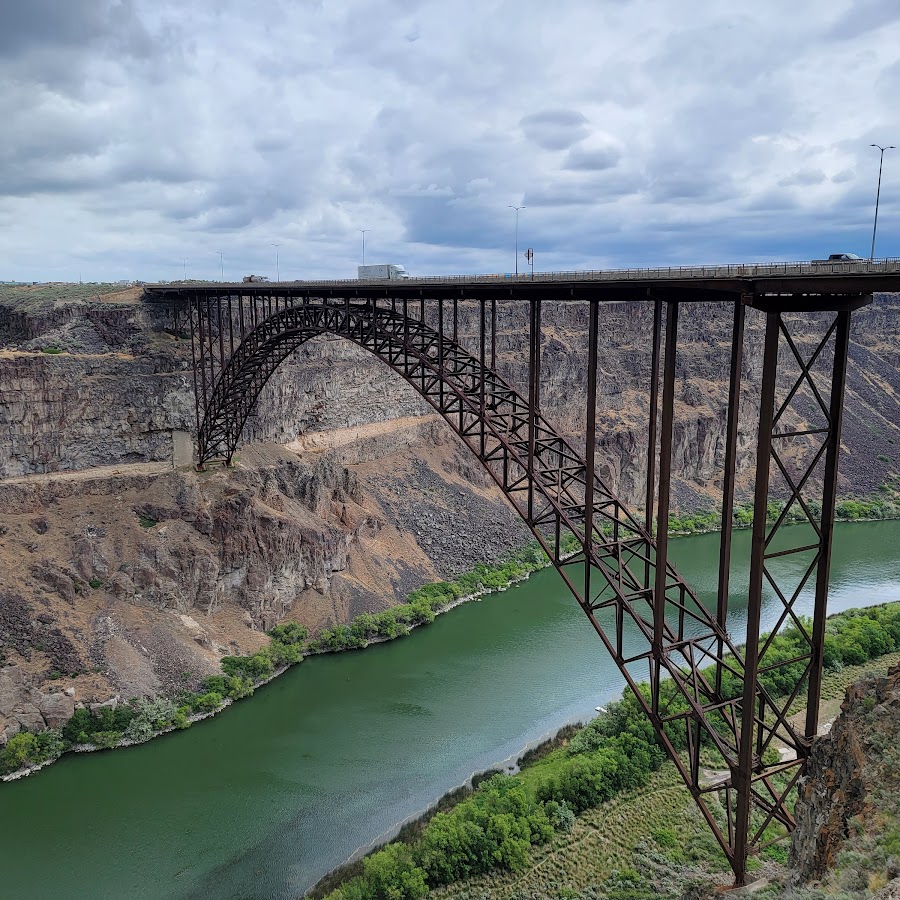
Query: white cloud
(138,132)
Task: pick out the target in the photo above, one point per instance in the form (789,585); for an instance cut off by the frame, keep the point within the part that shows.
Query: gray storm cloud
(137,133)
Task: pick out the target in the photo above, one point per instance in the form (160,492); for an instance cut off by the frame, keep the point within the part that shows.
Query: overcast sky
(635,132)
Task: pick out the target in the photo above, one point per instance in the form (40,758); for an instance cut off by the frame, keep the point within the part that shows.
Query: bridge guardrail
(888,265)
(733,270)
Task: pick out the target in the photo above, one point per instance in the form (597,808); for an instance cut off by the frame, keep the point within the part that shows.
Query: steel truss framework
(716,705)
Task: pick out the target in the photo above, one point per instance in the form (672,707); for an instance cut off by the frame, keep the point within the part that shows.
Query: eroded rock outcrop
(852,786)
(24,707)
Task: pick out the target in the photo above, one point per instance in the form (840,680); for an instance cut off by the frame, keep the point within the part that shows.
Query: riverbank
(139,721)
(577,772)
(120,726)
(849,509)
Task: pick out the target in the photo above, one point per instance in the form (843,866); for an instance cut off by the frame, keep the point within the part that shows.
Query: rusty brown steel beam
(731,434)
(665,479)
(836,410)
(652,417)
(494,333)
(191,307)
(590,446)
(745,764)
(534,376)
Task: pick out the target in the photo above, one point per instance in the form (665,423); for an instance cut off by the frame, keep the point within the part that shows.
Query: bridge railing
(732,270)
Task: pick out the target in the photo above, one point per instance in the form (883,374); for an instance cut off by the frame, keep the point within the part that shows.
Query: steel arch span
(648,618)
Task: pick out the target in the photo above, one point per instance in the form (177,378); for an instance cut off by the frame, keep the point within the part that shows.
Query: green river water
(262,800)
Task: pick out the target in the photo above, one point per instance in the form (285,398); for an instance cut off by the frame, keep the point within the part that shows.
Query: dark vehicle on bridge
(841,257)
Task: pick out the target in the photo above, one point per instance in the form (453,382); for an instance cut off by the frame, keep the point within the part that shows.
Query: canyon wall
(127,574)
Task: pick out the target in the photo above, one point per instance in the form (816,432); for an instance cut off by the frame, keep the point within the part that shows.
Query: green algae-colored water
(261,801)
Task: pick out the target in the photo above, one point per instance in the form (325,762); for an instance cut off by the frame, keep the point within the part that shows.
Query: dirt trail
(144,468)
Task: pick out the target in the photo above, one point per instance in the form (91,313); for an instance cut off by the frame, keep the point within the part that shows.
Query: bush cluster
(422,604)
(496,826)
(849,510)
(851,638)
(26,749)
(141,719)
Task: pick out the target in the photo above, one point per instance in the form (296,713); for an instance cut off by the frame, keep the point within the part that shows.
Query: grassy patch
(32,298)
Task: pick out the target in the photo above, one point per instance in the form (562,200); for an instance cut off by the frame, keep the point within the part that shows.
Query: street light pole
(517,208)
(277,269)
(878,194)
(364,230)
(222,263)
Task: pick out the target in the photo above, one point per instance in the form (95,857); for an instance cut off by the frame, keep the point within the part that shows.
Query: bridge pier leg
(813,426)
(662,508)
(734,404)
(534,395)
(590,448)
(743,778)
(651,429)
(829,497)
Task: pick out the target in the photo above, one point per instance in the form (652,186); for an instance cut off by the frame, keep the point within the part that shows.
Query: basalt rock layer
(849,803)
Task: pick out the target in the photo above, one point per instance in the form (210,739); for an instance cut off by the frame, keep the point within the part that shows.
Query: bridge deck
(798,283)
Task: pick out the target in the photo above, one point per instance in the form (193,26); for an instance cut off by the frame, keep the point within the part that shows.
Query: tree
(20,750)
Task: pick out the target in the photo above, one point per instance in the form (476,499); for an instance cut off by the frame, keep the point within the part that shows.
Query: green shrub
(255,667)
(84,725)
(106,740)
(288,633)
(151,717)
(284,654)
(20,750)
(559,815)
(50,744)
(231,686)
(208,702)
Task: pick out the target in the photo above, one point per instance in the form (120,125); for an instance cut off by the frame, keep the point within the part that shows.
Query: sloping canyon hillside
(126,572)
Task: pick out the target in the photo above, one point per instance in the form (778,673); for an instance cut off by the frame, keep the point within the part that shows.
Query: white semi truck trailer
(382,272)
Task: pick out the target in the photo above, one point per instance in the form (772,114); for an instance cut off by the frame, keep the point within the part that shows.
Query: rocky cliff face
(125,387)
(848,811)
(348,492)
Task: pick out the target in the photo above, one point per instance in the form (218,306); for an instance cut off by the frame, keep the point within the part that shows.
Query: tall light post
(517,208)
(221,263)
(364,232)
(277,268)
(878,193)
(184,260)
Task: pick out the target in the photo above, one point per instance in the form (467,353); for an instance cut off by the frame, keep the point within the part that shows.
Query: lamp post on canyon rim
(878,194)
(517,208)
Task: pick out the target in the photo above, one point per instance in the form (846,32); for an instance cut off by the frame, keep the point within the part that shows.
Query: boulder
(112,703)
(57,709)
(12,689)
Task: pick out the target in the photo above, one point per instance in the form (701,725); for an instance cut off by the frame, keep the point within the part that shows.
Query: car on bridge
(841,257)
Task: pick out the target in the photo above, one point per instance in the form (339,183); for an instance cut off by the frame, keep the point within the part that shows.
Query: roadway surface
(799,284)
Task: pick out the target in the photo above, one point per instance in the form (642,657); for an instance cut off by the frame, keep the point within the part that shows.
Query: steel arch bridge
(650,621)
